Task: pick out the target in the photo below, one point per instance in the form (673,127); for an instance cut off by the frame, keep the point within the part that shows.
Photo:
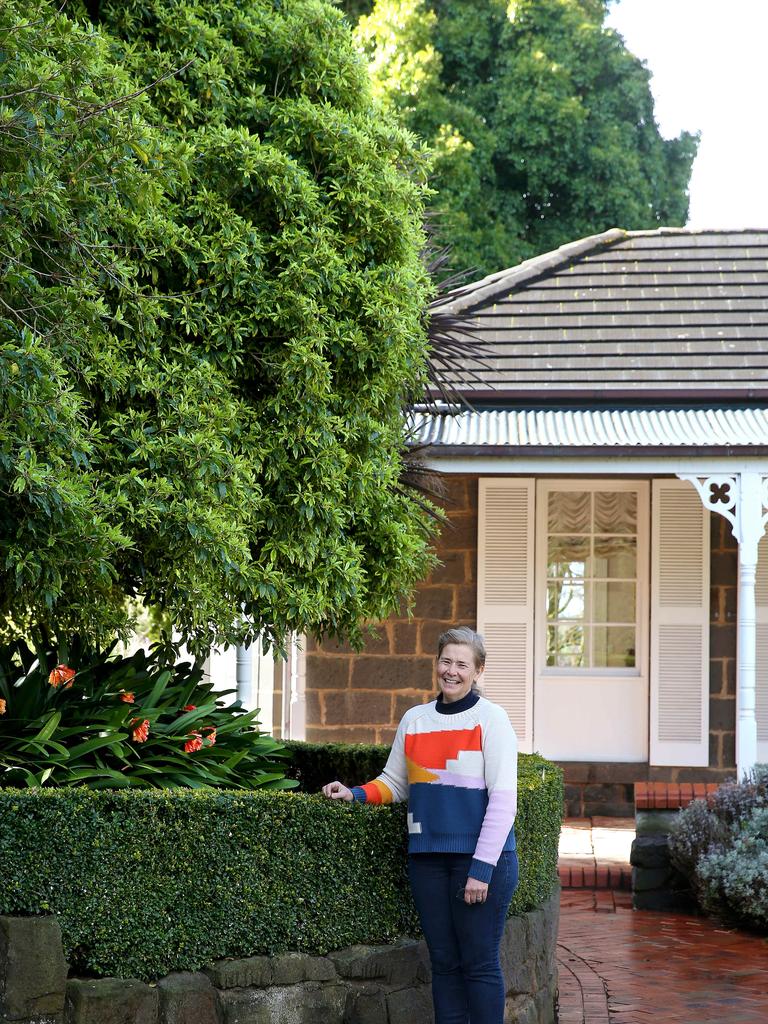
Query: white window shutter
(679,625)
(505,597)
(761,676)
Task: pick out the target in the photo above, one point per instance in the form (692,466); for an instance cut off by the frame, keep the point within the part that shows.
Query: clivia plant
(71,716)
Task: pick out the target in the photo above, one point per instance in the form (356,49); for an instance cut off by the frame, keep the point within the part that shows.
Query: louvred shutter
(761,676)
(679,625)
(505,597)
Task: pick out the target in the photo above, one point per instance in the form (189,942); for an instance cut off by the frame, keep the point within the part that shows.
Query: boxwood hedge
(539,812)
(148,882)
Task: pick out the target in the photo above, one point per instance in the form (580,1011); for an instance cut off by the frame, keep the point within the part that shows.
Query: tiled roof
(661,311)
(696,431)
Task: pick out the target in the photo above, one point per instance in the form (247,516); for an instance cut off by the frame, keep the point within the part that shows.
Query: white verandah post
(742,499)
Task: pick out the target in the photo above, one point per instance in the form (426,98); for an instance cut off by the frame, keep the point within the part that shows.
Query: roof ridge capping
(504,280)
(460,298)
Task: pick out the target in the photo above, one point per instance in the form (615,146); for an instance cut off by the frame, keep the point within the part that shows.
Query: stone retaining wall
(358,985)
(656,882)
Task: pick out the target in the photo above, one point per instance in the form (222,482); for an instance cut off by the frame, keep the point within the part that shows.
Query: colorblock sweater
(456,765)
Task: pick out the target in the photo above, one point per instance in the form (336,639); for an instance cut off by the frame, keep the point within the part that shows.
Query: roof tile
(666,308)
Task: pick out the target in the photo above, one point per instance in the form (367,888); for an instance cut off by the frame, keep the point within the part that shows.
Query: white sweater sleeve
(500,757)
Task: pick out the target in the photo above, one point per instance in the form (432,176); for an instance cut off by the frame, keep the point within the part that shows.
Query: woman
(455,761)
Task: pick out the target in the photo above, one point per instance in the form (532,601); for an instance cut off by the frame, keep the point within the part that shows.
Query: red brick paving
(594,853)
(619,966)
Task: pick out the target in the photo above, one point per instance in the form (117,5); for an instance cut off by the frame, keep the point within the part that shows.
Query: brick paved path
(619,966)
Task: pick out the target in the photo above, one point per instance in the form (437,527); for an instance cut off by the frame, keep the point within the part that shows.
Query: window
(591,572)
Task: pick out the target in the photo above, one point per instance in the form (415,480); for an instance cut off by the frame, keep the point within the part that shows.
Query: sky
(709,61)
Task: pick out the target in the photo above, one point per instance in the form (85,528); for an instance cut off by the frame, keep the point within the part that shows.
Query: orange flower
(211,737)
(61,674)
(190,707)
(194,744)
(127,698)
(2,706)
(141,731)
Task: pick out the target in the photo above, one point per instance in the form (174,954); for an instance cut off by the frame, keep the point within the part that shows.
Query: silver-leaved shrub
(733,882)
(720,844)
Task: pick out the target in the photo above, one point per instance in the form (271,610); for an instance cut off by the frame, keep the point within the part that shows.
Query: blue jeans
(463,939)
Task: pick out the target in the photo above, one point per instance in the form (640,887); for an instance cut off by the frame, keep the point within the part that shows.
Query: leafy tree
(212,315)
(541,121)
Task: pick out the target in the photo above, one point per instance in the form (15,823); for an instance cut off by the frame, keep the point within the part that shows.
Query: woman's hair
(468,637)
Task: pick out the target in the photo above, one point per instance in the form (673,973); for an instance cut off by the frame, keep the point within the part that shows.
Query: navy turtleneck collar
(455,706)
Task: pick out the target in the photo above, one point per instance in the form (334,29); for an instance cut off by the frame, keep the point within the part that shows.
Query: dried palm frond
(456,356)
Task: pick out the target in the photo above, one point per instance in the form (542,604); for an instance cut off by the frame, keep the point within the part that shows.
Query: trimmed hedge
(149,882)
(539,811)
(314,764)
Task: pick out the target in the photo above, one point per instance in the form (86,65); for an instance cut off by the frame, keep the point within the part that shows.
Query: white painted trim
(601,683)
(294,724)
(761,659)
(742,499)
(505,604)
(679,608)
(594,465)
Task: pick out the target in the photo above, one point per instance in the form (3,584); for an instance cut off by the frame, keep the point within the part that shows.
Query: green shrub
(720,846)
(314,764)
(147,882)
(539,814)
(733,881)
(72,716)
(212,315)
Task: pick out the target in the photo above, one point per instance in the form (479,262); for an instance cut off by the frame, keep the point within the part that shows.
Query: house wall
(361,697)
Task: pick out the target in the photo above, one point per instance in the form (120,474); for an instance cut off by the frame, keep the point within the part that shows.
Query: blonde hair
(469,638)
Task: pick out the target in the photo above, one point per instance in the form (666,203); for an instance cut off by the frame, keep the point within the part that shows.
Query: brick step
(594,876)
(670,796)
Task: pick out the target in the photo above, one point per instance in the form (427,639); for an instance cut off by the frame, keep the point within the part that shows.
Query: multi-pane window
(592,568)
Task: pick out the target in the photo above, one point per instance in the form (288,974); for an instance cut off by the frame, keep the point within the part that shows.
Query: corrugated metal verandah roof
(697,430)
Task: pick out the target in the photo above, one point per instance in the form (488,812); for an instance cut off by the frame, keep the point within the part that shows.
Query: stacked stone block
(357,985)
(361,697)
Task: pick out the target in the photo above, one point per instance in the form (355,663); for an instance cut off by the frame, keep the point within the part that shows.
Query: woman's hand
(337,791)
(474,891)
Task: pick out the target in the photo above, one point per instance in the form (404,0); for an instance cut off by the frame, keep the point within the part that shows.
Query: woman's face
(456,671)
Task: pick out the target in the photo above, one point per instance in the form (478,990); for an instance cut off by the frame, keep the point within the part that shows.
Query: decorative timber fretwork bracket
(742,499)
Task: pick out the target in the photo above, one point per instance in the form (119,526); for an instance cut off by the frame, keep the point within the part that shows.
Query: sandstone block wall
(359,985)
(361,697)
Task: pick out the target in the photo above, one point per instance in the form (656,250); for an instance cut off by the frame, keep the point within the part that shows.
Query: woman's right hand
(337,791)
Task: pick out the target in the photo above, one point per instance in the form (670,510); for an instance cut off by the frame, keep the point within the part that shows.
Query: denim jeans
(463,939)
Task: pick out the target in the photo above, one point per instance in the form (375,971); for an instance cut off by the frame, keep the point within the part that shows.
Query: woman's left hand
(475,892)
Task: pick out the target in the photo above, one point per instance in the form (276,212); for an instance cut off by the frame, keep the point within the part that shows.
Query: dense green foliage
(75,717)
(211,316)
(720,844)
(540,804)
(314,764)
(146,882)
(541,121)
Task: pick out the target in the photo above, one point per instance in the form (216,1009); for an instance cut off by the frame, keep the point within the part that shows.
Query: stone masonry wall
(358,985)
(360,698)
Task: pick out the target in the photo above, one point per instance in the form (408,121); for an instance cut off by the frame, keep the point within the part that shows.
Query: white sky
(709,61)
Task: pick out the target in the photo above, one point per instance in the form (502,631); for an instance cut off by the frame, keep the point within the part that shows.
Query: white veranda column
(244,674)
(742,499)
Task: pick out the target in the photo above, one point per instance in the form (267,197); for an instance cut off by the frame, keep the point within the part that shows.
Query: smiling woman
(455,762)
